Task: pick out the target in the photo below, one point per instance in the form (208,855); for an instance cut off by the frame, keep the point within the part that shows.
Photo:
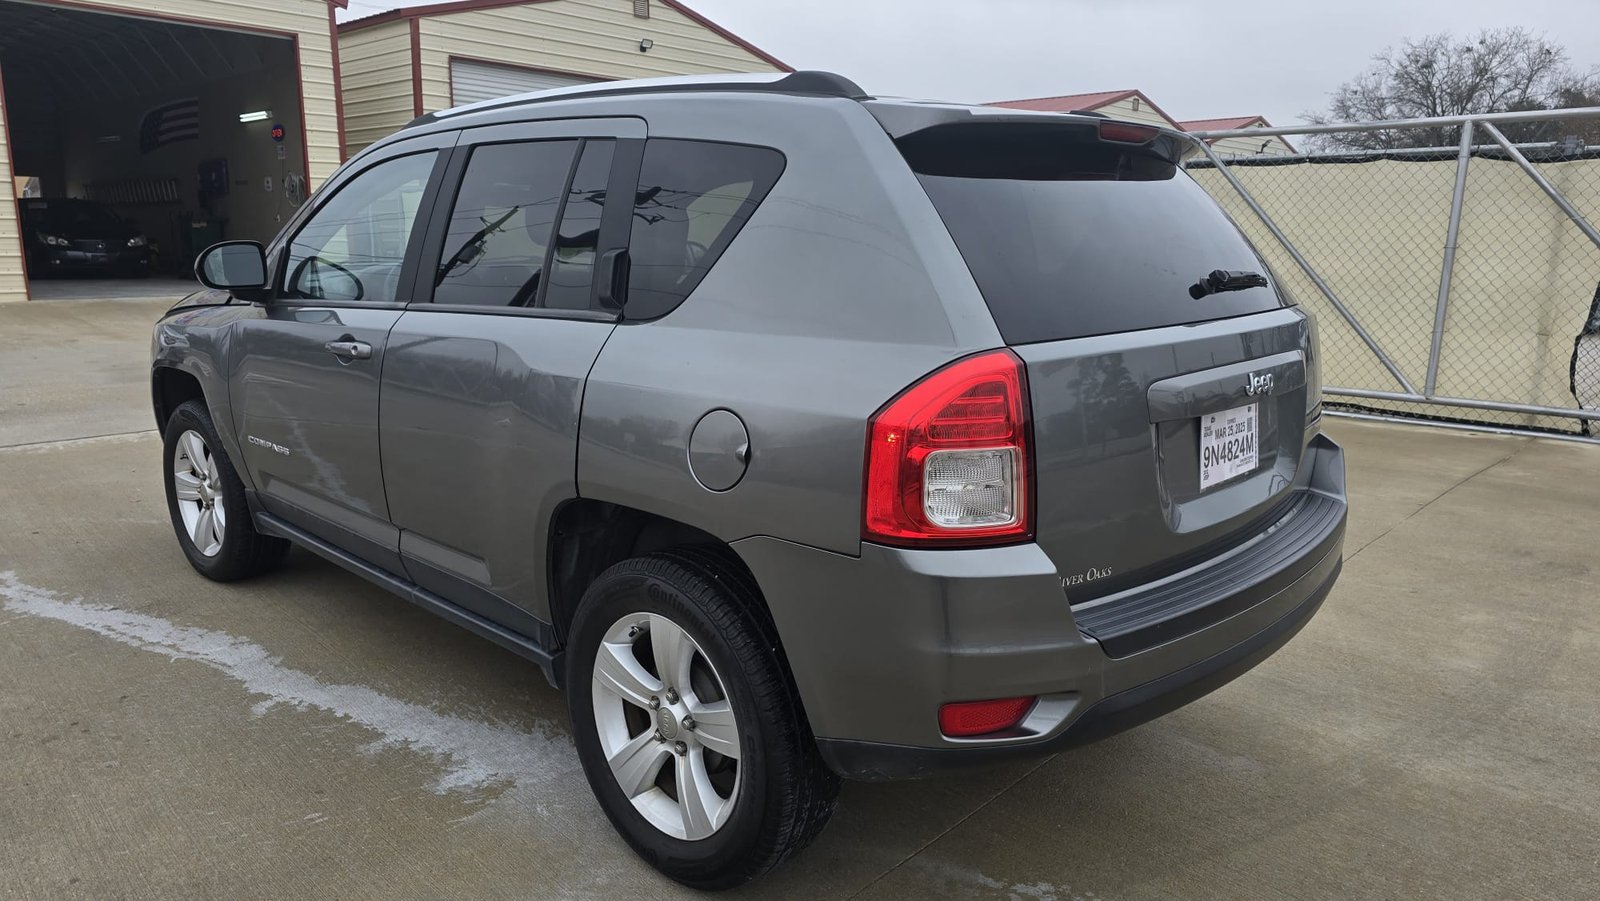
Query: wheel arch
(170,388)
(587,536)
(175,381)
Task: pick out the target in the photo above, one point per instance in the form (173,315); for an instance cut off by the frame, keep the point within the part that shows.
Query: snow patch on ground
(972,883)
(472,755)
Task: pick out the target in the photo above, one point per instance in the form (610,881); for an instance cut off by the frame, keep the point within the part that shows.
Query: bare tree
(1499,70)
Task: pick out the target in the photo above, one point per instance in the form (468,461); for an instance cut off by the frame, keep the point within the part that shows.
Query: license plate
(1230,444)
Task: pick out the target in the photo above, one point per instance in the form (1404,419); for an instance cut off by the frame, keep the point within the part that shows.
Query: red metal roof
(1066,103)
(1224,124)
(461,6)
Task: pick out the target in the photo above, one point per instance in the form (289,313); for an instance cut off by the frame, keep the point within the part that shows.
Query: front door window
(355,246)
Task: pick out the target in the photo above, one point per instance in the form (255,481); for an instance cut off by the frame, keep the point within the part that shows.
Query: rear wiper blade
(1220,280)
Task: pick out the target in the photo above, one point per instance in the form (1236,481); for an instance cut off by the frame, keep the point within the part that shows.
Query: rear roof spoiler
(904,118)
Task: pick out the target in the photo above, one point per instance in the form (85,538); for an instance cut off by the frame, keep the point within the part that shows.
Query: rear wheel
(205,498)
(687,724)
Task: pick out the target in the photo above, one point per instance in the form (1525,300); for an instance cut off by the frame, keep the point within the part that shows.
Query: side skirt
(549,660)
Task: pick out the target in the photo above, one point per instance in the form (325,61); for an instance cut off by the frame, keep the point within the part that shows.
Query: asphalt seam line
(66,442)
(953,826)
(1436,498)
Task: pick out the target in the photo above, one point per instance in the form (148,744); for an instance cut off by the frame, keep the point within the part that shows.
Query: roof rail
(824,84)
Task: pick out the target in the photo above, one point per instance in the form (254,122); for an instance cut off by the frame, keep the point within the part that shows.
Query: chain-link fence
(1456,283)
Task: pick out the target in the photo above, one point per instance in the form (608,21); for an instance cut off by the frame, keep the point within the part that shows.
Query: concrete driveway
(1433,732)
(107,288)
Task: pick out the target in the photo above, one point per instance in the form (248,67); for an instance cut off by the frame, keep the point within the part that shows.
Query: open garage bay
(1433,732)
(136,141)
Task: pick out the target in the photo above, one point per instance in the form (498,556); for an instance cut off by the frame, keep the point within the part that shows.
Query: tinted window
(354,247)
(693,199)
(578,236)
(499,233)
(1084,239)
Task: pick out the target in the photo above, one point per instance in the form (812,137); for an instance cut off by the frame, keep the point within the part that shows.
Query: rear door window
(1069,238)
(498,242)
(578,234)
(693,198)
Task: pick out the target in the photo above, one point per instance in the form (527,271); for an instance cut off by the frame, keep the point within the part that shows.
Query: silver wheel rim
(665,726)
(196,481)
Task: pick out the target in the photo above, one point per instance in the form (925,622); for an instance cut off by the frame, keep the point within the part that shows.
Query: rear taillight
(948,460)
(1313,370)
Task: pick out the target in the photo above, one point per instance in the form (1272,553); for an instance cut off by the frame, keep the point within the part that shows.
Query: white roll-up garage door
(471,81)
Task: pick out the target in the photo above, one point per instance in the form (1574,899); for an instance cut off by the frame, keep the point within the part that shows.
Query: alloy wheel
(666,726)
(197,483)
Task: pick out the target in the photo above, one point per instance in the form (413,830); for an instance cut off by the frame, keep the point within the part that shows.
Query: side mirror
(239,266)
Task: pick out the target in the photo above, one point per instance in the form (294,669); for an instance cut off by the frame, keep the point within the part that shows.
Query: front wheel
(205,498)
(687,724)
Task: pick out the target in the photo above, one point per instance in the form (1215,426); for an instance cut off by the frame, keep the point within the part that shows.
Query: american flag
(177,121)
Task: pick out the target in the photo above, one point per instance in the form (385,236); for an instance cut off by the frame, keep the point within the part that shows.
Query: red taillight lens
(1125,133)
(970,718)
(948,460)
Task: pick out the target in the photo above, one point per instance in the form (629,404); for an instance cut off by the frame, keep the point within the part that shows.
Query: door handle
(612,278)
(348,349)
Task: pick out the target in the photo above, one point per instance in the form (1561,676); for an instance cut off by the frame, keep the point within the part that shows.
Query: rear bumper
(877,643)
(876,761)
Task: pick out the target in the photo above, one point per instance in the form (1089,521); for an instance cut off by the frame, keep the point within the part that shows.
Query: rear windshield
(1069,237)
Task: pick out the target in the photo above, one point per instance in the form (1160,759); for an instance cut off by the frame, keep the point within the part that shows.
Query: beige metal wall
(1229,147)
(13,284)
(593,38)
(375,81)
(1137,110)
(307,20)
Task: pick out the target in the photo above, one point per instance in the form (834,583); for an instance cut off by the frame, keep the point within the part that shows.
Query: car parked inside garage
(65,236)
(796,433)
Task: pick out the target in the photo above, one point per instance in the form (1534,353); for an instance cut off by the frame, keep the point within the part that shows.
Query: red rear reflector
(1125,133)
(970,718)
(948,460)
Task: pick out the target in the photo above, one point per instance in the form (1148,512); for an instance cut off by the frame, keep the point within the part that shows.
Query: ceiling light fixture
(260,115)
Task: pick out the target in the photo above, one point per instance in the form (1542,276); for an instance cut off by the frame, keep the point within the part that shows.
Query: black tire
(786,794)
(244,552)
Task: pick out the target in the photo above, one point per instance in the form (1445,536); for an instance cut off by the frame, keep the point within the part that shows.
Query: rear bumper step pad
(1142,618)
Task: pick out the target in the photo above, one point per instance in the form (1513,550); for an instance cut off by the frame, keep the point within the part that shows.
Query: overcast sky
(1276,58)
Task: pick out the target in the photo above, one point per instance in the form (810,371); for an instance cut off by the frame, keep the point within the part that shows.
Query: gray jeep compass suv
(796,434)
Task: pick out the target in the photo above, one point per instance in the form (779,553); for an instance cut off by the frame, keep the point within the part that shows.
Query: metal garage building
(400,64)
(165,111)
(1137,107)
